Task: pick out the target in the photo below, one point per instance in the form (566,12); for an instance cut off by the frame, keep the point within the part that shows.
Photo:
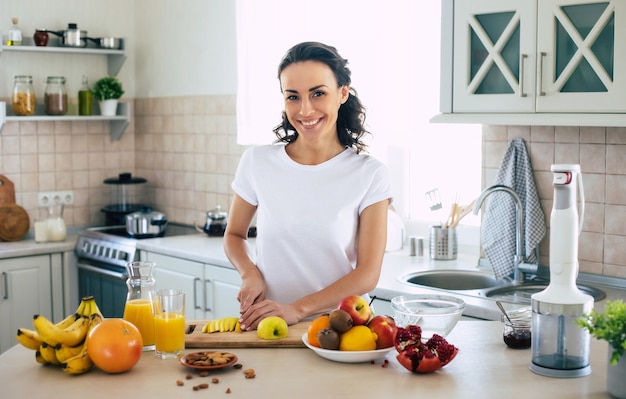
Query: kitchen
(193,112)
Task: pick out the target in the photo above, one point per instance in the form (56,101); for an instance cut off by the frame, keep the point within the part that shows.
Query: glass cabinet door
(494,59)
(580,68)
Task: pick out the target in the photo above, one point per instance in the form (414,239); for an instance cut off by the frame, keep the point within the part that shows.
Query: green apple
(272,327)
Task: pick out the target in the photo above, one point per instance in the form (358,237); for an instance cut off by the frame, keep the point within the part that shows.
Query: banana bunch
(63,343)
(222,325)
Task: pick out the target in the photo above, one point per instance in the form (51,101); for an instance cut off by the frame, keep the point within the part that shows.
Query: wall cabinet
(28,286)
(536,60)
(210,291)
(115,60)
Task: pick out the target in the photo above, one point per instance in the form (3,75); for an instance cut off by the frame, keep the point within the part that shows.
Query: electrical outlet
(55,197)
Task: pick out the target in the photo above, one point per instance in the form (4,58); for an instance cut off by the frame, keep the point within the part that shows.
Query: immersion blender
(559,347)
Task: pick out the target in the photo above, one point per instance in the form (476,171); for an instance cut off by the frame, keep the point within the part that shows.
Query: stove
(103,253)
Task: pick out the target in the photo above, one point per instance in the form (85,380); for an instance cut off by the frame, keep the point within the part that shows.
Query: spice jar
(55,96)
(23,98)
(517,330)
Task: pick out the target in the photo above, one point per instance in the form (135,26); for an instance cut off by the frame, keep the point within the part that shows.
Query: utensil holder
(443,243)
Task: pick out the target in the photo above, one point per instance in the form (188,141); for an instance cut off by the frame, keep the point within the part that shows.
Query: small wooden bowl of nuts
(208,360)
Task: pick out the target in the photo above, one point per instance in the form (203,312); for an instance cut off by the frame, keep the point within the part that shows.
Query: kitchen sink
(522,293)
(483,285)
(455,280)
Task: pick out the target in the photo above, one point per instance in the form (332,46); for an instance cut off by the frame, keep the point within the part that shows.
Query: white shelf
(118,123)
(115,58)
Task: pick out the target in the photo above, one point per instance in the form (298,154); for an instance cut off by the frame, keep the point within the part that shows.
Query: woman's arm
(239,253)
(371,242)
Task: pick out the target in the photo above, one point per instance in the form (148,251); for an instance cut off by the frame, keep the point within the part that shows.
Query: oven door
(107,284)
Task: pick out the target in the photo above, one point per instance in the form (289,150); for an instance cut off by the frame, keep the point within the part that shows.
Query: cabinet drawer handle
(5,283)
(540,82)
(522,62)
(195,293)
(207,294)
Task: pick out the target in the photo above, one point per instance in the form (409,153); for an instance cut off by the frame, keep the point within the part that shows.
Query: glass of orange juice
(169,323)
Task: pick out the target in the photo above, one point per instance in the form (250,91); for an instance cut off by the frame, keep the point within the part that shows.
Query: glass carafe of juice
(138,308)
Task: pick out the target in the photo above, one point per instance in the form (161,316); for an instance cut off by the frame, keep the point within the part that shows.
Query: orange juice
(139,312)
(169,332)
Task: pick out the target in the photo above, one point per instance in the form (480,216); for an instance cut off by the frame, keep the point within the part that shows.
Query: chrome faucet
(518,259)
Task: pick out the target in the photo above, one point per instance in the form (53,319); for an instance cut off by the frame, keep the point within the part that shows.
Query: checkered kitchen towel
(498,224)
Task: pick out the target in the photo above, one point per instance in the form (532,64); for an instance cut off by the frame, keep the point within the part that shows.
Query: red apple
(386,330)
(357,308)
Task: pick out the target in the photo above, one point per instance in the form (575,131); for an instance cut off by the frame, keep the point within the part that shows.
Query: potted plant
(107,91)
(610,325)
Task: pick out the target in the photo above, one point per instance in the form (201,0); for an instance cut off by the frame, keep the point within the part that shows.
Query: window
(393,52)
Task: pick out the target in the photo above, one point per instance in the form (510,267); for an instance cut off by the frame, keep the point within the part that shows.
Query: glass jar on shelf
(55,97)
(23,97)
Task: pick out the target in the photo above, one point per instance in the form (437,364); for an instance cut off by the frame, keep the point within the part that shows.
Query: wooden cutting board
(7,191)
(195,338)
(14,220)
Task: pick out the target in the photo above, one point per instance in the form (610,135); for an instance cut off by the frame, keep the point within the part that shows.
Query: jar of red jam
(517,330)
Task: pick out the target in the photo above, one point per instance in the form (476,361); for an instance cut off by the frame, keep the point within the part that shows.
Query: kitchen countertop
(484,368)
(201,248)
(28,247)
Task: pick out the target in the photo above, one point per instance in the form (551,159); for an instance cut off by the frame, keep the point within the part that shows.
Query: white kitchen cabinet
(222,286)
(210,291)
(534,60)
(26,290)
(115,60)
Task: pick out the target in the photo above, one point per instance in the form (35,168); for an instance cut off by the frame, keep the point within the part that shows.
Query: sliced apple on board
(225,324)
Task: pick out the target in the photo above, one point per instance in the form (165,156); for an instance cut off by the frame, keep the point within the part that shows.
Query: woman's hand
(251,318)
(252,290)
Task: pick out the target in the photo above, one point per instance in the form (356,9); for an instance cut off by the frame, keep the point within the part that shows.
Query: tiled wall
(187,148)
(184,146)
(601,153)
(58,156)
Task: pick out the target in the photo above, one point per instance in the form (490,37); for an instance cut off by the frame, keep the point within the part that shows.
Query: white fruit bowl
(435,314)
(347,356)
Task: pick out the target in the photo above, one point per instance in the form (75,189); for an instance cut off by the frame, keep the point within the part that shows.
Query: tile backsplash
(600,152)
(186,147)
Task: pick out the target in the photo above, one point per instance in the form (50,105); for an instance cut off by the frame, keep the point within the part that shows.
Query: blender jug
(559,347)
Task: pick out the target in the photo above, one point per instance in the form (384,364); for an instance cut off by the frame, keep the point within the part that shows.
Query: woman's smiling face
(312,99)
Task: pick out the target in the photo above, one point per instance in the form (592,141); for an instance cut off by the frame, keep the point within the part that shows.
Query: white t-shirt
(307,215)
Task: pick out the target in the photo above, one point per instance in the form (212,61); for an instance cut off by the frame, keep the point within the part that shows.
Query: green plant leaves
(107,88)
(609,325)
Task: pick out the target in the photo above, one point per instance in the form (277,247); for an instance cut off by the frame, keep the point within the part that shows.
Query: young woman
(321,205)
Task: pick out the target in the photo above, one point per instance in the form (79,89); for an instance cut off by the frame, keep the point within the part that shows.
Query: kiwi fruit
(340,320)
(328,338)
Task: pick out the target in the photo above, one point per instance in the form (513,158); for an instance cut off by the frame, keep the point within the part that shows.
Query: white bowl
(435,314)
(347,356)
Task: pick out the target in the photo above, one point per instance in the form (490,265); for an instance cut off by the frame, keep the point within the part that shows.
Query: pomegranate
(422,357)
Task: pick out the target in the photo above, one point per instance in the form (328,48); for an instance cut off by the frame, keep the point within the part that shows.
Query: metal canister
(23,98)
(55,97)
